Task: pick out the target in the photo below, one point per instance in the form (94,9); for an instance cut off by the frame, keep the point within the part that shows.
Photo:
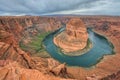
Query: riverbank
(35,45)
(101,47)
(80,52)
(108,65)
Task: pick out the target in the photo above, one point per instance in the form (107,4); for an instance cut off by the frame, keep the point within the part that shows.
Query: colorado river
(101,47)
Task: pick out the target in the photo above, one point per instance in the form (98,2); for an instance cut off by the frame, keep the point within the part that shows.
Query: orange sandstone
(74,37)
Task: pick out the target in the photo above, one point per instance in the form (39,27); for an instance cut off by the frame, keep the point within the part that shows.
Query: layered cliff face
(27,65)
(76,31)
(74,37)
(22,30)
(16,29)
(108,68)
(27,26)
(14,71)
(16,64)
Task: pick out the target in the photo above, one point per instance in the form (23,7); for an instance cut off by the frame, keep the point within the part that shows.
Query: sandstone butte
(74,37)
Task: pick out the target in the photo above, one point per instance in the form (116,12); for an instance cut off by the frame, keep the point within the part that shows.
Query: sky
(59,7)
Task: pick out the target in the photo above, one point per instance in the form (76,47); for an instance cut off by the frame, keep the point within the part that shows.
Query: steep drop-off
(13,30)
(74,37)
(16,30)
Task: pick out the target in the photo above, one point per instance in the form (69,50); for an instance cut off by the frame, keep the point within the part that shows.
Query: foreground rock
(59,69)
(13,71)
(74,37)
(26,67)
(12,29)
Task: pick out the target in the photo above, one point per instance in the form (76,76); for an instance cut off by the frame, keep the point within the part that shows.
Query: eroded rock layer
(74,37)
(12,31)
(26,67)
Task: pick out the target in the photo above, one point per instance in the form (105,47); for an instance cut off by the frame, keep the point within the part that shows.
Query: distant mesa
(74,37)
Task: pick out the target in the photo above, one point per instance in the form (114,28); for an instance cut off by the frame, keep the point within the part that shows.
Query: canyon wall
(108,26)
(13,60)
(12,57)
(74,37)
(27,26)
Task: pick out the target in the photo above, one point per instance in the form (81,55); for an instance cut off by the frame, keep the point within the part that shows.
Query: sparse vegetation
(35,46)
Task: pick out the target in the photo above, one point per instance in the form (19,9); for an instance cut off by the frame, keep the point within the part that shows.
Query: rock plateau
(17,64)
(74,37)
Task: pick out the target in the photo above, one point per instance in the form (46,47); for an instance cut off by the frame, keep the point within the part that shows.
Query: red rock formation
(13,29)
(25,26)
(74,38)
(75,30)
(14,71)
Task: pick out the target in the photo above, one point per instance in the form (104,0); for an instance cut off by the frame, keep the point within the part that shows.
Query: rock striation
(12,31)
(26,67)
(14,71)
(74,37)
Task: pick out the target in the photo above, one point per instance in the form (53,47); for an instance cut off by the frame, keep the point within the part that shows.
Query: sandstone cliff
(12,31)
(74,37)
(15,29)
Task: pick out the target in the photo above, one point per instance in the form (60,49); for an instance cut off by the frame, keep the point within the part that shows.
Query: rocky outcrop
(59,69)
(14,71)
(14,29)
(114,76)
(74,37)
(27,26)
(76,31)
(10,53)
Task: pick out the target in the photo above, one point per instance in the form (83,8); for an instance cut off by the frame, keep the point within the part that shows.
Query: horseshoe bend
(59,48)
(77,46)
